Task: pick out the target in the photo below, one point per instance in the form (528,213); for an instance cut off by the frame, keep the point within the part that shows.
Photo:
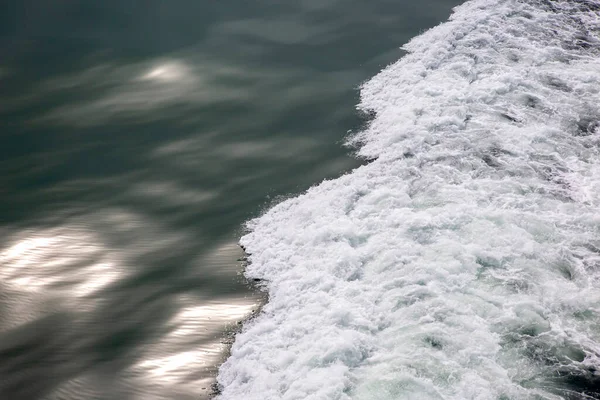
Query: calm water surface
(134,143)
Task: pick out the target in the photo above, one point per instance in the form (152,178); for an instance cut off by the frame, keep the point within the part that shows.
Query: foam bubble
(464,261)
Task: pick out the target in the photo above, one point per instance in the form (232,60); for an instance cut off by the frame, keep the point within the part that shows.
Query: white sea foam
(464,261)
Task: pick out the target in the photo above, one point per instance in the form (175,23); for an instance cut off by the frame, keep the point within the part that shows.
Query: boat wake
(463,262)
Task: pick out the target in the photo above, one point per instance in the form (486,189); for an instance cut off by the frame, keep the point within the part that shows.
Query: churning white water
(463,262)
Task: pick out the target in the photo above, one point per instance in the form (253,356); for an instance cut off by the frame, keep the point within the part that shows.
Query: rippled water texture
(463,262)
(135,140)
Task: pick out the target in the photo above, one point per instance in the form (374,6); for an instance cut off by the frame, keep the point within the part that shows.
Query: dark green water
(135,140)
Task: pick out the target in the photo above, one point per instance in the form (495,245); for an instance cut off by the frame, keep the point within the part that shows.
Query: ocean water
(463,261)
(136,138)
